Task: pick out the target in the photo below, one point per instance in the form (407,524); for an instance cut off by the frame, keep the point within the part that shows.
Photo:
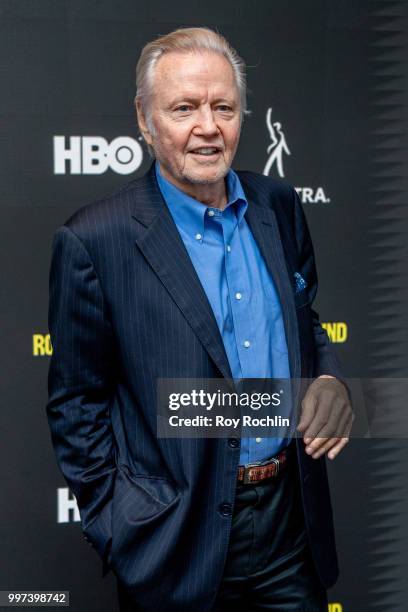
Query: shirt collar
(189,213)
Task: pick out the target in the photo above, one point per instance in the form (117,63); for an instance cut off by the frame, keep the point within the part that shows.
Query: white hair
(185,40)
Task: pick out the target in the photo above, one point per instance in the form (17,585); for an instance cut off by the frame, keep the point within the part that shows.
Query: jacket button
(87,539)
(225,509)
(233,442)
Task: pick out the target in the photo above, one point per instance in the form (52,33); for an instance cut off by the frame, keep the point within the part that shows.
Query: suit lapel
(158,239)
(264,227)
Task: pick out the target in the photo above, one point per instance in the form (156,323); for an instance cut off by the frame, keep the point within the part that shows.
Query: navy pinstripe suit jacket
(126,308)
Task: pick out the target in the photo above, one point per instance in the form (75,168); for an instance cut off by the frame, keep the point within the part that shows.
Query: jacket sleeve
(326,361)
(80,384)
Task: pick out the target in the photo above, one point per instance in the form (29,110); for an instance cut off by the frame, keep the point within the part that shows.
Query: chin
(206,178)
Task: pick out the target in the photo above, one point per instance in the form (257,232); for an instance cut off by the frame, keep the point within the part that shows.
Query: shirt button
(233,442)
(228,248)
(198,236)
(211,213)
(225,509)
(238,296)
(247,344)
(258,439)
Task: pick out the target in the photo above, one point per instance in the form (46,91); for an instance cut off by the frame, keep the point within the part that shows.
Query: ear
(142,123)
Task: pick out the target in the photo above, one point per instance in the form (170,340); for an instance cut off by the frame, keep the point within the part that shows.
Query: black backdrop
(331,73)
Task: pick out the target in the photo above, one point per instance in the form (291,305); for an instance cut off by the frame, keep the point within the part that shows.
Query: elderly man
(194,271)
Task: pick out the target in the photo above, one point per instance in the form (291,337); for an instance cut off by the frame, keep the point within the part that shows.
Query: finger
(315,428)
(338,447)
(323,448)
(334,444)
(336,425)
(344,426)
(308,411)
(316,444)
(325,405)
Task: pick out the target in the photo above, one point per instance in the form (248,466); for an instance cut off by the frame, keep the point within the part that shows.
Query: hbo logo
(94,155)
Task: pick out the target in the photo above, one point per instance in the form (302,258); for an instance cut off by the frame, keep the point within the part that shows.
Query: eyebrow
(192,99)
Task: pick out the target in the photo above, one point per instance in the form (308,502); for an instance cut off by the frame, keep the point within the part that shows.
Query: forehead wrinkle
(201,94)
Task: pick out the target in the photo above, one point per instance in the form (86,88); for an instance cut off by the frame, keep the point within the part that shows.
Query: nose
(206,125)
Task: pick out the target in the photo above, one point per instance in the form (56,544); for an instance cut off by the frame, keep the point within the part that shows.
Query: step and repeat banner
(318,74)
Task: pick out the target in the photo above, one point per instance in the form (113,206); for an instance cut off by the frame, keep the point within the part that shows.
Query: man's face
(196,116)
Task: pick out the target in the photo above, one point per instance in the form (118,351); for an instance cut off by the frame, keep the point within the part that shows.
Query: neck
(211,194)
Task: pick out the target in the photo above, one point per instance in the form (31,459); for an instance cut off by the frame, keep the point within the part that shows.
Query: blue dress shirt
(239,288)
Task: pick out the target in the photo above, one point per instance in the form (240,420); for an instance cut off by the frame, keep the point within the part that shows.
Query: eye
(224,108)
(183,108)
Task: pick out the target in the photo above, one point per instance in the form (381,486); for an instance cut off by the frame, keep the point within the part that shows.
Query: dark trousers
(269,564)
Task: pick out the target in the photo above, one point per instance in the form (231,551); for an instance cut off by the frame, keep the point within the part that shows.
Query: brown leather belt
(255,472)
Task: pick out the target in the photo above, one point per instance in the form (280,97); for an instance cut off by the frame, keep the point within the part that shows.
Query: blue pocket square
(300,282)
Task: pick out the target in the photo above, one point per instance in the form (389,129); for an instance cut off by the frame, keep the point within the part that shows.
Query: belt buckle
(277,463)
(246,472)
(251,465)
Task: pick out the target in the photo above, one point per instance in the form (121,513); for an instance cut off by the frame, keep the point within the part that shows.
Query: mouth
(206,152)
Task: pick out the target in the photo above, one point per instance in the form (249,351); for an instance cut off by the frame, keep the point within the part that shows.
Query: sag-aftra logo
(277,152)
